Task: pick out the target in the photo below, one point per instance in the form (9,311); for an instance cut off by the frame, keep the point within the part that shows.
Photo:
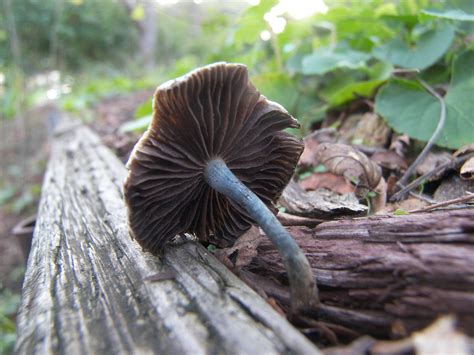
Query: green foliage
(251,23)
(410,109)
(92,87)
(317,64)
(450,14)
(76,31)
(138,125)
(9,303)
(421,53)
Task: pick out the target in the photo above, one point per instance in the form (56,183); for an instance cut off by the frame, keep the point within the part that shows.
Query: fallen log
(90,289)
(385,276)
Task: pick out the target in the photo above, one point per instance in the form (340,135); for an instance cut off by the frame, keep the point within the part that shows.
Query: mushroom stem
(303,290)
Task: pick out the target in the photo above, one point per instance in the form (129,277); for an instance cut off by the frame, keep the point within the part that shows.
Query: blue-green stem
(303,290)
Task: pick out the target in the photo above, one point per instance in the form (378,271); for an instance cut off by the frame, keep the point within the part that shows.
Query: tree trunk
(382,276)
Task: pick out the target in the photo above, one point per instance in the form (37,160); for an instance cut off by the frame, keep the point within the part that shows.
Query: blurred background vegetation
(315,57)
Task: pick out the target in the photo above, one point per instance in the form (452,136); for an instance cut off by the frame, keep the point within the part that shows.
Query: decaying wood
(319,204)
(383,276)
(90,289)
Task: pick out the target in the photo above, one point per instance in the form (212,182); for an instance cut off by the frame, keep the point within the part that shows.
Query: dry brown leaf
(400,144)
(245,249)
(408,204)
(390,160)
(288,219)
(432,162)
(354,165)
(368,129)
(465,149)
(312,141)
(467,170)
(453,187)
(328,181)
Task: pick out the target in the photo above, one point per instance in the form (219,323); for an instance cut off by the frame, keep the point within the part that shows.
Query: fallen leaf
(312,141)
(467,170)
(400,144)
(367,129)
(287,219)
(244,250)
(408,204)
(390,160)
(431,162)
(328,181)
(354,165)
(453,187)
(466,149)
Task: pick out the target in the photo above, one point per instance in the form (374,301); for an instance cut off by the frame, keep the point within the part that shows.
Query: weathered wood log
(90,289)
(383,276)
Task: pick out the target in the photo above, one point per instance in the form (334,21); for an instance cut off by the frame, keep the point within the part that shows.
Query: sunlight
(297,9)
(167,2)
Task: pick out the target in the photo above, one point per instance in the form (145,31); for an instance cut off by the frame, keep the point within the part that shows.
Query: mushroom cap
(212,112)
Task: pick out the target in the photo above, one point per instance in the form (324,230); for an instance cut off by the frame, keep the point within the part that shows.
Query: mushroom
(212,163)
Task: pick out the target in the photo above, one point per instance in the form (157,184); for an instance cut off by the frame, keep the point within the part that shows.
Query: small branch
(429,145)
(422,197)
(445,203)
(415,183)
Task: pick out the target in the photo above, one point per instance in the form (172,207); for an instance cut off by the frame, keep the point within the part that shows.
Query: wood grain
(385,276)
(90,289)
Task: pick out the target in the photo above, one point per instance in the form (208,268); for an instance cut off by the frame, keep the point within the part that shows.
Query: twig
(422,197)
(445,203)
(429,145)
(415,183)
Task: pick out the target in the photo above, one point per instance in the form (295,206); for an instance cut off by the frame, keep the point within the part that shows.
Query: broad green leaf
(344,87)
(139,125)
(324,60)
(354,90)
(145,109)
(430,47)
(408,108)
(277,87)
(452,14)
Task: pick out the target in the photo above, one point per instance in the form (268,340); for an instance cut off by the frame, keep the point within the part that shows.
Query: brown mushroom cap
(212,112)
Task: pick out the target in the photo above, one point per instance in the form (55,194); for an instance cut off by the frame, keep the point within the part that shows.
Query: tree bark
(382,276)
(90,289)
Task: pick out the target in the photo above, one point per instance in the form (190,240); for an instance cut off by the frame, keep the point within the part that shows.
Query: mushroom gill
(209,127)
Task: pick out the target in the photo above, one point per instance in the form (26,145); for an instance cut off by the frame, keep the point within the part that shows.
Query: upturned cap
(212,112)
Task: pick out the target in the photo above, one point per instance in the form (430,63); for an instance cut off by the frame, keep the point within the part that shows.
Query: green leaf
(277,87)
(400,212)
(324,60)
(145,109)
(252,23)
(344,88)
(408,108)
(352,91)
(430,47)
(451,14)
(138,125)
